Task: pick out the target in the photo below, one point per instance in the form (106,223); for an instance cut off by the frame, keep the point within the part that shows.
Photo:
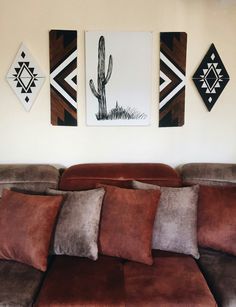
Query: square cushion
(219,270)
(126,223)
(74,281)
(217,218)
(76,232)
(19,284)
(26,225)
(173,280)
(175,227)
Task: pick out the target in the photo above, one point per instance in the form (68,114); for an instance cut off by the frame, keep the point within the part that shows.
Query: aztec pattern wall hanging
(118,78)
(25,77)
(211,77)
(172,78)
(63,77)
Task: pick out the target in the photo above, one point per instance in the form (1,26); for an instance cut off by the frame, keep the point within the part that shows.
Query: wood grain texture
(172,78)
(63,77)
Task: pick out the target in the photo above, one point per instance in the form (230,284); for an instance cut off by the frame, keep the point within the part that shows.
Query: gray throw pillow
(76,232)
(175,226)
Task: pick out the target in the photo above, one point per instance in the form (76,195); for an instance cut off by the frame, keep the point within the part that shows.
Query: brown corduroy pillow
(127,222)
(26,225)
(217,218)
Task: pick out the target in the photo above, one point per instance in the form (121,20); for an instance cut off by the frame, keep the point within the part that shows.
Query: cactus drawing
(102,80)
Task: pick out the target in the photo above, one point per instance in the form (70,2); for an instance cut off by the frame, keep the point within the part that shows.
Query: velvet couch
(173,279)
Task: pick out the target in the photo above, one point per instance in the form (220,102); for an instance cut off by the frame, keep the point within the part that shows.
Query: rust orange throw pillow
(217,218)
(26,225)
(127,221)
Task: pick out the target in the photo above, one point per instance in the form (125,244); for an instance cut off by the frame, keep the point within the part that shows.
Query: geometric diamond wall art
(173,46)
(211,77)
(25,77)
(63,77)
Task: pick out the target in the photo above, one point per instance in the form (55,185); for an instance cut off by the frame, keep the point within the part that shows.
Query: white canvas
(128,90)
(25,77)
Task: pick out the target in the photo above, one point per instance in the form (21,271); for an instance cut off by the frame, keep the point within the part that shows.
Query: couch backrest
(217,174)
(85,176)
(28,177)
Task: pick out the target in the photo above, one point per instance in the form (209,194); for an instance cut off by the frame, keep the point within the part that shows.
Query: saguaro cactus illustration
(102,80)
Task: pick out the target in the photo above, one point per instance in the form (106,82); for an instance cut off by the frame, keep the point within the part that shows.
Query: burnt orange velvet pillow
(127,221)
(26,225)
(217,218)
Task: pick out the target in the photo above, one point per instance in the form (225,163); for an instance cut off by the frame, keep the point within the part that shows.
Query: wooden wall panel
(172,78)
(63,77)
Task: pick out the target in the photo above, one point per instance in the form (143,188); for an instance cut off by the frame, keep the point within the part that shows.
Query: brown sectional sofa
(173,279)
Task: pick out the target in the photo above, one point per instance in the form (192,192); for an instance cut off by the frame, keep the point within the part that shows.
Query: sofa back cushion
(86,176)
(28,177)
(214,174)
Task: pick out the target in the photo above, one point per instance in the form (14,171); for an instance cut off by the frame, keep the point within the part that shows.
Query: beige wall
(206,136)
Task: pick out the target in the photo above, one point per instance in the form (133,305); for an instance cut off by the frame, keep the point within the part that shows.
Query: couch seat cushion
(19,283)
(219,270)
(173,280)
(74,281)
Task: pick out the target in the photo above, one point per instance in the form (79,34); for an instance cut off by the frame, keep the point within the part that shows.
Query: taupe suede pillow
(76,232)
(175,226)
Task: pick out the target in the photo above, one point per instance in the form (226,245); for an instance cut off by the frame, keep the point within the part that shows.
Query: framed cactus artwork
(118,78)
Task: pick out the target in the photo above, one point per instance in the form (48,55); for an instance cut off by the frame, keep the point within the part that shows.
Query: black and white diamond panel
(25,77)
(211,77)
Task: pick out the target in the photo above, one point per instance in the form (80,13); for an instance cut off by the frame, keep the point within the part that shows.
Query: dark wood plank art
(211,77)
(63,77)
(173,47)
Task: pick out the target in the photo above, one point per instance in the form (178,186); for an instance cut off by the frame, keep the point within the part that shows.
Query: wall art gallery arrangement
(118,78)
